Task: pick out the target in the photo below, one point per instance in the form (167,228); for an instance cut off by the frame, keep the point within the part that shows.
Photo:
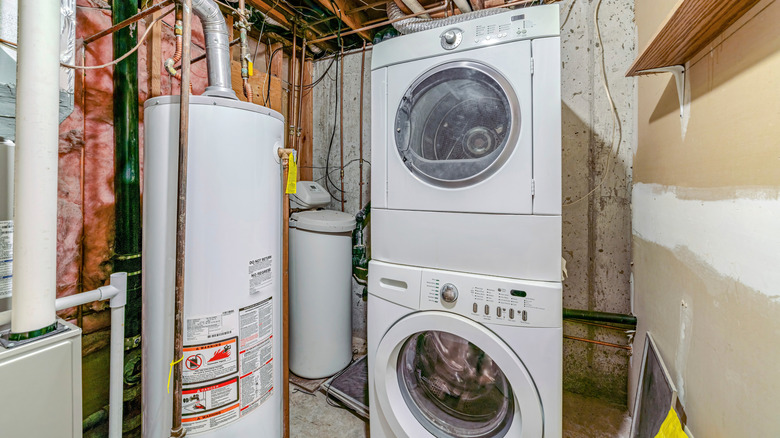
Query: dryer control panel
(493,300)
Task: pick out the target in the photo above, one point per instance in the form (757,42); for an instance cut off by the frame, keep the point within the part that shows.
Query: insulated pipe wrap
(217,48)
(414,24)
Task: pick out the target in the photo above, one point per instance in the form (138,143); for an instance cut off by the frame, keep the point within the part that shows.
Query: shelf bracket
(679,77)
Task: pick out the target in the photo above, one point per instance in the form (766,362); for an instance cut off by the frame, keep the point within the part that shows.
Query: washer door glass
(453,388)
(457,124)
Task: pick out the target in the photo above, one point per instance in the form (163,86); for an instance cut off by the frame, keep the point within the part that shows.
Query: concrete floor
(583,417)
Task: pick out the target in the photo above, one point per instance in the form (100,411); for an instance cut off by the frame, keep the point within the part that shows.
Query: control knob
(449,293)
(450,37)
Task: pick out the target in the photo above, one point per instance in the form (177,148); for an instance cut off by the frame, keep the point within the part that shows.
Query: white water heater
(232,300)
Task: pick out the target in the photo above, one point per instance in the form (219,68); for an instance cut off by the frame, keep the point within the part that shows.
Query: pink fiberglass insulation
(95,117)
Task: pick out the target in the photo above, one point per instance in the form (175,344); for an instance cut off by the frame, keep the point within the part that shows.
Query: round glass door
(457,124)
(453,388)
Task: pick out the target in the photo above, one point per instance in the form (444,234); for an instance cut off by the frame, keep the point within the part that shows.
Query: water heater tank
(232,299)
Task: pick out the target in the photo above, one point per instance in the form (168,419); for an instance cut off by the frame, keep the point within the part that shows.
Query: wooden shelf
(688,29)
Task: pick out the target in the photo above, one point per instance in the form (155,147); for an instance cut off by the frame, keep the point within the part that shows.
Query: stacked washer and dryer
(465,293)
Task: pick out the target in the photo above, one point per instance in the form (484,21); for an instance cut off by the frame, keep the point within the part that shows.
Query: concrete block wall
(596,229)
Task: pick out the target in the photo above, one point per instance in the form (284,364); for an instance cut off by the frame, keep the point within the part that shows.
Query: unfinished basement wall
(596,229)
(706,205)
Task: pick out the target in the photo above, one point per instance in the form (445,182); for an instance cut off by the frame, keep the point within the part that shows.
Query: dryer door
(456,125)
(441,375)
(460,132)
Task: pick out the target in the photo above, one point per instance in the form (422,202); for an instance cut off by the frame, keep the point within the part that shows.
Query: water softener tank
(232,300)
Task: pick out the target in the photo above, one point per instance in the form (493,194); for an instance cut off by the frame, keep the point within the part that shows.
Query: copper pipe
(300,97)
(285,297)
(341,128)
(606,344)
(362,80)
(80,314)
(181,222)
(129,21)
(609,327)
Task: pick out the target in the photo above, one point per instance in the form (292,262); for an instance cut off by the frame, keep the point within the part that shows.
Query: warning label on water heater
(260,273)
(6,257)
(256,355)
(208,362)
(211,327)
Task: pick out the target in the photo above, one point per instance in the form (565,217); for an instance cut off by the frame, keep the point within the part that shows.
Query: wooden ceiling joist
(277,12)
(354,20)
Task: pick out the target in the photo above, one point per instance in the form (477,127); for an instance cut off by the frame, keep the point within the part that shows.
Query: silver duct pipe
(412,25)
(217,48)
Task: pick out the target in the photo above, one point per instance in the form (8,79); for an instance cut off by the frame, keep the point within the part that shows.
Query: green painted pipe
(127,179)
(591,315)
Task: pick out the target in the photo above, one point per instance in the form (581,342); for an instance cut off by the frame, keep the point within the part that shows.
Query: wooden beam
(354,21)
(154,57)
(306,148)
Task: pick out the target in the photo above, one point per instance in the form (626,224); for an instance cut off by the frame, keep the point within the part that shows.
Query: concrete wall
(705,224)
(596,240)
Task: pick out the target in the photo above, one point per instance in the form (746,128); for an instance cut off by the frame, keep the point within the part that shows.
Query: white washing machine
(463,355)
(466,140)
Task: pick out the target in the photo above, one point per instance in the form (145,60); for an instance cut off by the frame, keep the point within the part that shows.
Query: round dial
(451,38)
(449,293)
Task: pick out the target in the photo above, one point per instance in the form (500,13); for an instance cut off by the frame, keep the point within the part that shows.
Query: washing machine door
(442,375)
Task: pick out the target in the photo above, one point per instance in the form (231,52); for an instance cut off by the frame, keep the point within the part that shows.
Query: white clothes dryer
(466,141)
(463,355)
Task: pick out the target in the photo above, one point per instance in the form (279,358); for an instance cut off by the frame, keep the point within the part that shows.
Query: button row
(523,314)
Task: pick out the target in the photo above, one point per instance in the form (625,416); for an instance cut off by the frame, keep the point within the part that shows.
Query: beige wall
(706,225)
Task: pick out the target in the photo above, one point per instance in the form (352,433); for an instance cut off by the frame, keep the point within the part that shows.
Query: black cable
(268,70)
(335,114)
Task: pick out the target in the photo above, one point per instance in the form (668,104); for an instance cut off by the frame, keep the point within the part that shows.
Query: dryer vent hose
(416,24)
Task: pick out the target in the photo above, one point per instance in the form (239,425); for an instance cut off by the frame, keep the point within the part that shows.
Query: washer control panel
(493,300)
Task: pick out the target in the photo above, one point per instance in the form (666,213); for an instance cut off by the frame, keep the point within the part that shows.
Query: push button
(511,313)
(498,312)
(475,308)
(487,309)
(525,315)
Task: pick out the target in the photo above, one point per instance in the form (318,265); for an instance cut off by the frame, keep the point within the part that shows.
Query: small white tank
(320,285)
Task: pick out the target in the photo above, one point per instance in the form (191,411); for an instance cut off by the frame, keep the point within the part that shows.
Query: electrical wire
(616,125)
(568,13)
(121,58)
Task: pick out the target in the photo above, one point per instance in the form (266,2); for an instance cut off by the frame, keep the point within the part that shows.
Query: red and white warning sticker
(208,362)
(211,420)
(196,401)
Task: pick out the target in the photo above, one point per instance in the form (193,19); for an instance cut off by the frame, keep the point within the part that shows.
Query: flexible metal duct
(217,48)
(412,25)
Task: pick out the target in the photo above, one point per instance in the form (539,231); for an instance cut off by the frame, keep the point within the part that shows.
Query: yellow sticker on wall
(671,427)
(251,68)
(292,176)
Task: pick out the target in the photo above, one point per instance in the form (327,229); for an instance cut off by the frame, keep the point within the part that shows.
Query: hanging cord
(121,58)
(616,125)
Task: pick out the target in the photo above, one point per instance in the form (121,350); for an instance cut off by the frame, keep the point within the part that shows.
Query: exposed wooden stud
(306,149)
(154,57)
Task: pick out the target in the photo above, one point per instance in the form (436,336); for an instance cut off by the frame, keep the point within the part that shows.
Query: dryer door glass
(453,388)
(457,124)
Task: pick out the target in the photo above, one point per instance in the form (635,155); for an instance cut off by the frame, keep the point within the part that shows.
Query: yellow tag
(251,69)
(671,427)
(170,370)
(292,176)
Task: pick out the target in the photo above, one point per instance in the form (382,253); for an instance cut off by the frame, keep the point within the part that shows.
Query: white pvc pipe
(77,299)
(416,7)
(37,141)
(463,5)
(116,372)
